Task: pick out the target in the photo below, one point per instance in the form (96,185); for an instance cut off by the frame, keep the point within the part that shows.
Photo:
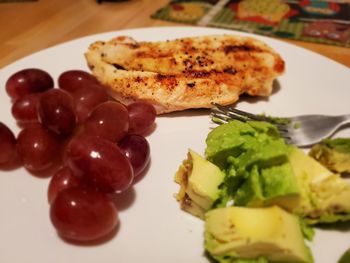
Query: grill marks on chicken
(185,73)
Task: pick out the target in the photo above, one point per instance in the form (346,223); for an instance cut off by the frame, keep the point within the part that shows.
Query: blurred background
(27,26)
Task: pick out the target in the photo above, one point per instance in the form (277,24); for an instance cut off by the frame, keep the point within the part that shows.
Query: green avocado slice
(241,233)
(199,180)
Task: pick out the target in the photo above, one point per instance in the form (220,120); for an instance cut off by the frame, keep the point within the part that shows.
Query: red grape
(56,111)
(100,162)
(8,151)
(87,98)
(82,214)
(73,80)
(61,180)
(104,154)
(38,147)
(24,110)
(28,81)
(109,120)
(137,149)
(141,117)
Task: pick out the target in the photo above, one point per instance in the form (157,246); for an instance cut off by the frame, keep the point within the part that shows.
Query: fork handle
(346,118)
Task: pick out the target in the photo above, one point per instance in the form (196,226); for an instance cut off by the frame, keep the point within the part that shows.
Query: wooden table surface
(27,27)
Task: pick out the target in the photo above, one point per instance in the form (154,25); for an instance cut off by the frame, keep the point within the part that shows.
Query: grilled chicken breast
(185,73)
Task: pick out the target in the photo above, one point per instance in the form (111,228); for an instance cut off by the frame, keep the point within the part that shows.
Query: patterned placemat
(326,22)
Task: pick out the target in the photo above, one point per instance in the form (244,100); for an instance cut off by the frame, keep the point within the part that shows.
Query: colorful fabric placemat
(326,22)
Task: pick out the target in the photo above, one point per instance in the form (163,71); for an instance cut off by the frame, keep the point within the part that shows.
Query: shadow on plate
(345,175)
(338,226)
(185,113)
(276,87)
(97,242)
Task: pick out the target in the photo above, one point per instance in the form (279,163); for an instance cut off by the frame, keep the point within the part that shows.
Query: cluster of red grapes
(94,146)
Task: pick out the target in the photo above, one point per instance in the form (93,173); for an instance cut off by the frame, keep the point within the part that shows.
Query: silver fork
(303,130)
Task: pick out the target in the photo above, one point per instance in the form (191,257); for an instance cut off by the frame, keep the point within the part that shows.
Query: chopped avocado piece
(272,185)
(258,172)
(199,180)
(250,193)
(308,230)
(264,153)
(333,154)
(345,258)
(324,195)
(233,233)
(235,137)
(280,186)
(227,140)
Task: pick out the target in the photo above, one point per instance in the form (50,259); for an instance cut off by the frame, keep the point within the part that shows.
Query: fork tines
(222,114)
(228,112)
(302,130)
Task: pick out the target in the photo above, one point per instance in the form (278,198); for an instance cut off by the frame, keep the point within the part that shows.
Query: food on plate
(137,149)
(86,98)
(74,80)
(268,234)
(24,109)
(261,170)
(251,168)
(109,120)
(185,73)
(334,154)
(78,135)
(7,145)
(28,81)
(324,195)
(82,214)
(38,147)
(62,179)
(199,182)
(255,158)
(141,115)
(56,112)
(99,162)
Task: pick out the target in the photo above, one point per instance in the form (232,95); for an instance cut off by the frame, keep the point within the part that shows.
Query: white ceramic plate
(153,228)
